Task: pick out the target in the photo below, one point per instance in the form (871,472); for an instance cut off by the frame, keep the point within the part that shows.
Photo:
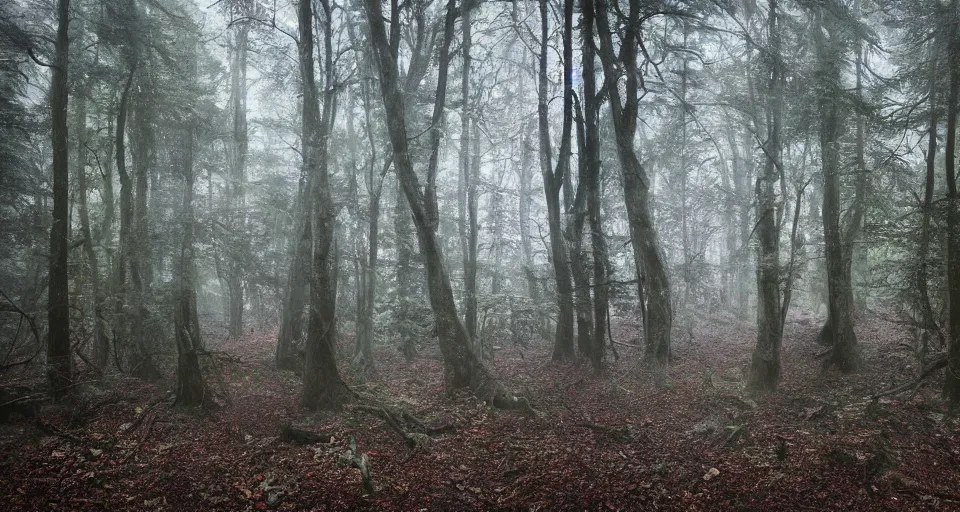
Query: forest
(479,255)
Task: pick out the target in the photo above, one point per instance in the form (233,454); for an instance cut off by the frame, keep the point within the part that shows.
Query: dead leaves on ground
(615,442)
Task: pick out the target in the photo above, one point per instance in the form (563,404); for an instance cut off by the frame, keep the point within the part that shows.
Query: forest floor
(609,442)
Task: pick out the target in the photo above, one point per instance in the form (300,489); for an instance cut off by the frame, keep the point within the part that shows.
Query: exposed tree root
(485,386)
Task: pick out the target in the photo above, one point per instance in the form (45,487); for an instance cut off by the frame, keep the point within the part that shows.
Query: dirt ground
(610,442)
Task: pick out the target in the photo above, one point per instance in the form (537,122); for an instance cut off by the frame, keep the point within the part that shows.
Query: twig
(33,326)
(24,398)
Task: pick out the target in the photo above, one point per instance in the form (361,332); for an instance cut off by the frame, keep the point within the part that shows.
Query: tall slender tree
(621,67)
(951,389)
(553,179)
(59,358)
(463,368)
(323,388)
(765,365)
(839,326)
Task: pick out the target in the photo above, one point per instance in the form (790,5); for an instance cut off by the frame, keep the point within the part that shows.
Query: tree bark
(290,338)
(101,340)
(553,180)
(765,365)
(651,268)
(951,387)
(122,315)
(591,169)
(323,388)
(463,369)
(59,358)
(191,389)
(839,326)
(134,210)
(237,182)
(928,317)
(577,217)
(523,216)
(467,192)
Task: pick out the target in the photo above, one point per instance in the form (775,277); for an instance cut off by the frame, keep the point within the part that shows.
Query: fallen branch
(618,433)
(442,429)
(823,354)
(944,495)
(937,364)
(295,435)
(19,400)
(57,431)
(358,460)
(136,422)
(143,437)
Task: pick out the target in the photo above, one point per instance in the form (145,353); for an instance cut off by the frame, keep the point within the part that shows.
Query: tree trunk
(523,216)
(651,268)
(858,249)
(290,338)
(238,177)
(143,149)
(104,233)
(462,366)
(134,240)
(591,169)
(951,387)
(839,326)
(574,235)
(122,329)
(59,357)
(101,340)
(765,365)
(323,387)
(928,317)
(553,180)
(374,183)
(466,192)
(191,390)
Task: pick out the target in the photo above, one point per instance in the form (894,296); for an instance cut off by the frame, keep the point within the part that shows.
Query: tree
(59,356)
(463,369)
(466,184)
(101,339)
(237,154)
(951,389)
(323,388)
(191,389)
(651,268)
(765,365)
(591,179)
(839,326)
(553,179)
